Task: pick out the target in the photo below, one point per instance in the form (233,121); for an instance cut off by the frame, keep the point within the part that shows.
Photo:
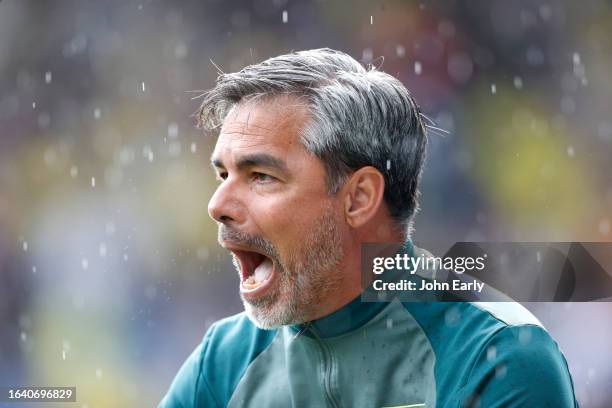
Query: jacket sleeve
(521,366)
(190,388)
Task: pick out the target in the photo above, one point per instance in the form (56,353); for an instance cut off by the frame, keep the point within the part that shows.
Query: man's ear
(363,195)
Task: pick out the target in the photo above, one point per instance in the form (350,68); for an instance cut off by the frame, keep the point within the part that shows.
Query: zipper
(327,365)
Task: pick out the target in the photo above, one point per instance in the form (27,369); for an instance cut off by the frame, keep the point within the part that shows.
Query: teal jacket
(414,354)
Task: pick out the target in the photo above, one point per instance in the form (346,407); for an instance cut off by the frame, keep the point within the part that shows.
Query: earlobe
(363,196)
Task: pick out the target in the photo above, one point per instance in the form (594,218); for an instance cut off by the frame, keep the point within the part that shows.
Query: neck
(350,266)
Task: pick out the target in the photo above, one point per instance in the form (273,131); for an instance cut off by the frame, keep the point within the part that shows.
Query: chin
(270,318)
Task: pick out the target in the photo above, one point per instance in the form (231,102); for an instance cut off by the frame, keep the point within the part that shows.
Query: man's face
(274,213)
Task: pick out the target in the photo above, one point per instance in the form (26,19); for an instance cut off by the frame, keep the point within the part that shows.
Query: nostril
(225,218)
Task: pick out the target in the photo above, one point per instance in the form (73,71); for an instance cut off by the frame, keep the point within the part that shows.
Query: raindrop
(180,51)
(93,181)
(460,67)
(147,153)
(518,82)
(24,336)
(371,20)
(524,334)
(172,130)
(125,257)
(579,69)
(33,105)
(34,269)
(194,147)
(109,228)
(388,164)
(568,106)
(203,253)
(570,151)
(97,113)
(25,246)
(144,88)
(418,68)
(50,156)
(126,156)
(74,171)
(446,28)
(545,12)
(452,316)
(591,373)
(491,353)
(63,354)
(285,16)
(493,89)
(501,371)
(400,51)
(84,264)
(534,56)
(102,250)
(99,373)
(48,77)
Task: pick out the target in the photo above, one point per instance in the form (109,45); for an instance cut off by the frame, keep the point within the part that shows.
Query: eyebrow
(254,160)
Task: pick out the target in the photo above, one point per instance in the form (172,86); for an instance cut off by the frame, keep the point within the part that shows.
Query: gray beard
(304,280)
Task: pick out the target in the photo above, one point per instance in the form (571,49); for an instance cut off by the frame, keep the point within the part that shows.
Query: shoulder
(520,366)
(210,374)
(494,354)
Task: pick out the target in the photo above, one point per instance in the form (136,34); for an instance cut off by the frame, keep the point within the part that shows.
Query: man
(315,156)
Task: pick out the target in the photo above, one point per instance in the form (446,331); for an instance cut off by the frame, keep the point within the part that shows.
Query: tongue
(263,270)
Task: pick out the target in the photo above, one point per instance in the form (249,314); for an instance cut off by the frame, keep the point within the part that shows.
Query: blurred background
(109,268)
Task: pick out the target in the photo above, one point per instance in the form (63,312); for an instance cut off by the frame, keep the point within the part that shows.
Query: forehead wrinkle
(264,126)
(245,130)
(244,142)
(253,136)
(287,107)
(239,140)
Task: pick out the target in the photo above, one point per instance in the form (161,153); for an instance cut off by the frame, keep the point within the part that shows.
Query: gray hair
(360,117)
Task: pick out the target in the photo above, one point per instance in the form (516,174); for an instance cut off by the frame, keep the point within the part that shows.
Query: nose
(224,206)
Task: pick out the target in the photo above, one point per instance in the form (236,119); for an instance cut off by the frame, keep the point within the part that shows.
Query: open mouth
(255,268)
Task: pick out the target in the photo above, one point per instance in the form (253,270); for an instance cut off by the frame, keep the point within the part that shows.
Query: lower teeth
(260,274)
(251,283)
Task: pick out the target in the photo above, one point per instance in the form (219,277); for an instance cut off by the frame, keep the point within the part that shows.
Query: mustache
(251,241)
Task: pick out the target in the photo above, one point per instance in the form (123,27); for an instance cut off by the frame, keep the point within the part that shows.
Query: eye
(263,178)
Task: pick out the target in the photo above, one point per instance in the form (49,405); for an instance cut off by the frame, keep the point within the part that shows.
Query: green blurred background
(109,268)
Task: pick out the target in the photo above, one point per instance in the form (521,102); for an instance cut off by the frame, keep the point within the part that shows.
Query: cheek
(286,222)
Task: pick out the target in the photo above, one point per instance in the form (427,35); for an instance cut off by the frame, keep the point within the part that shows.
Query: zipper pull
(302,330)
